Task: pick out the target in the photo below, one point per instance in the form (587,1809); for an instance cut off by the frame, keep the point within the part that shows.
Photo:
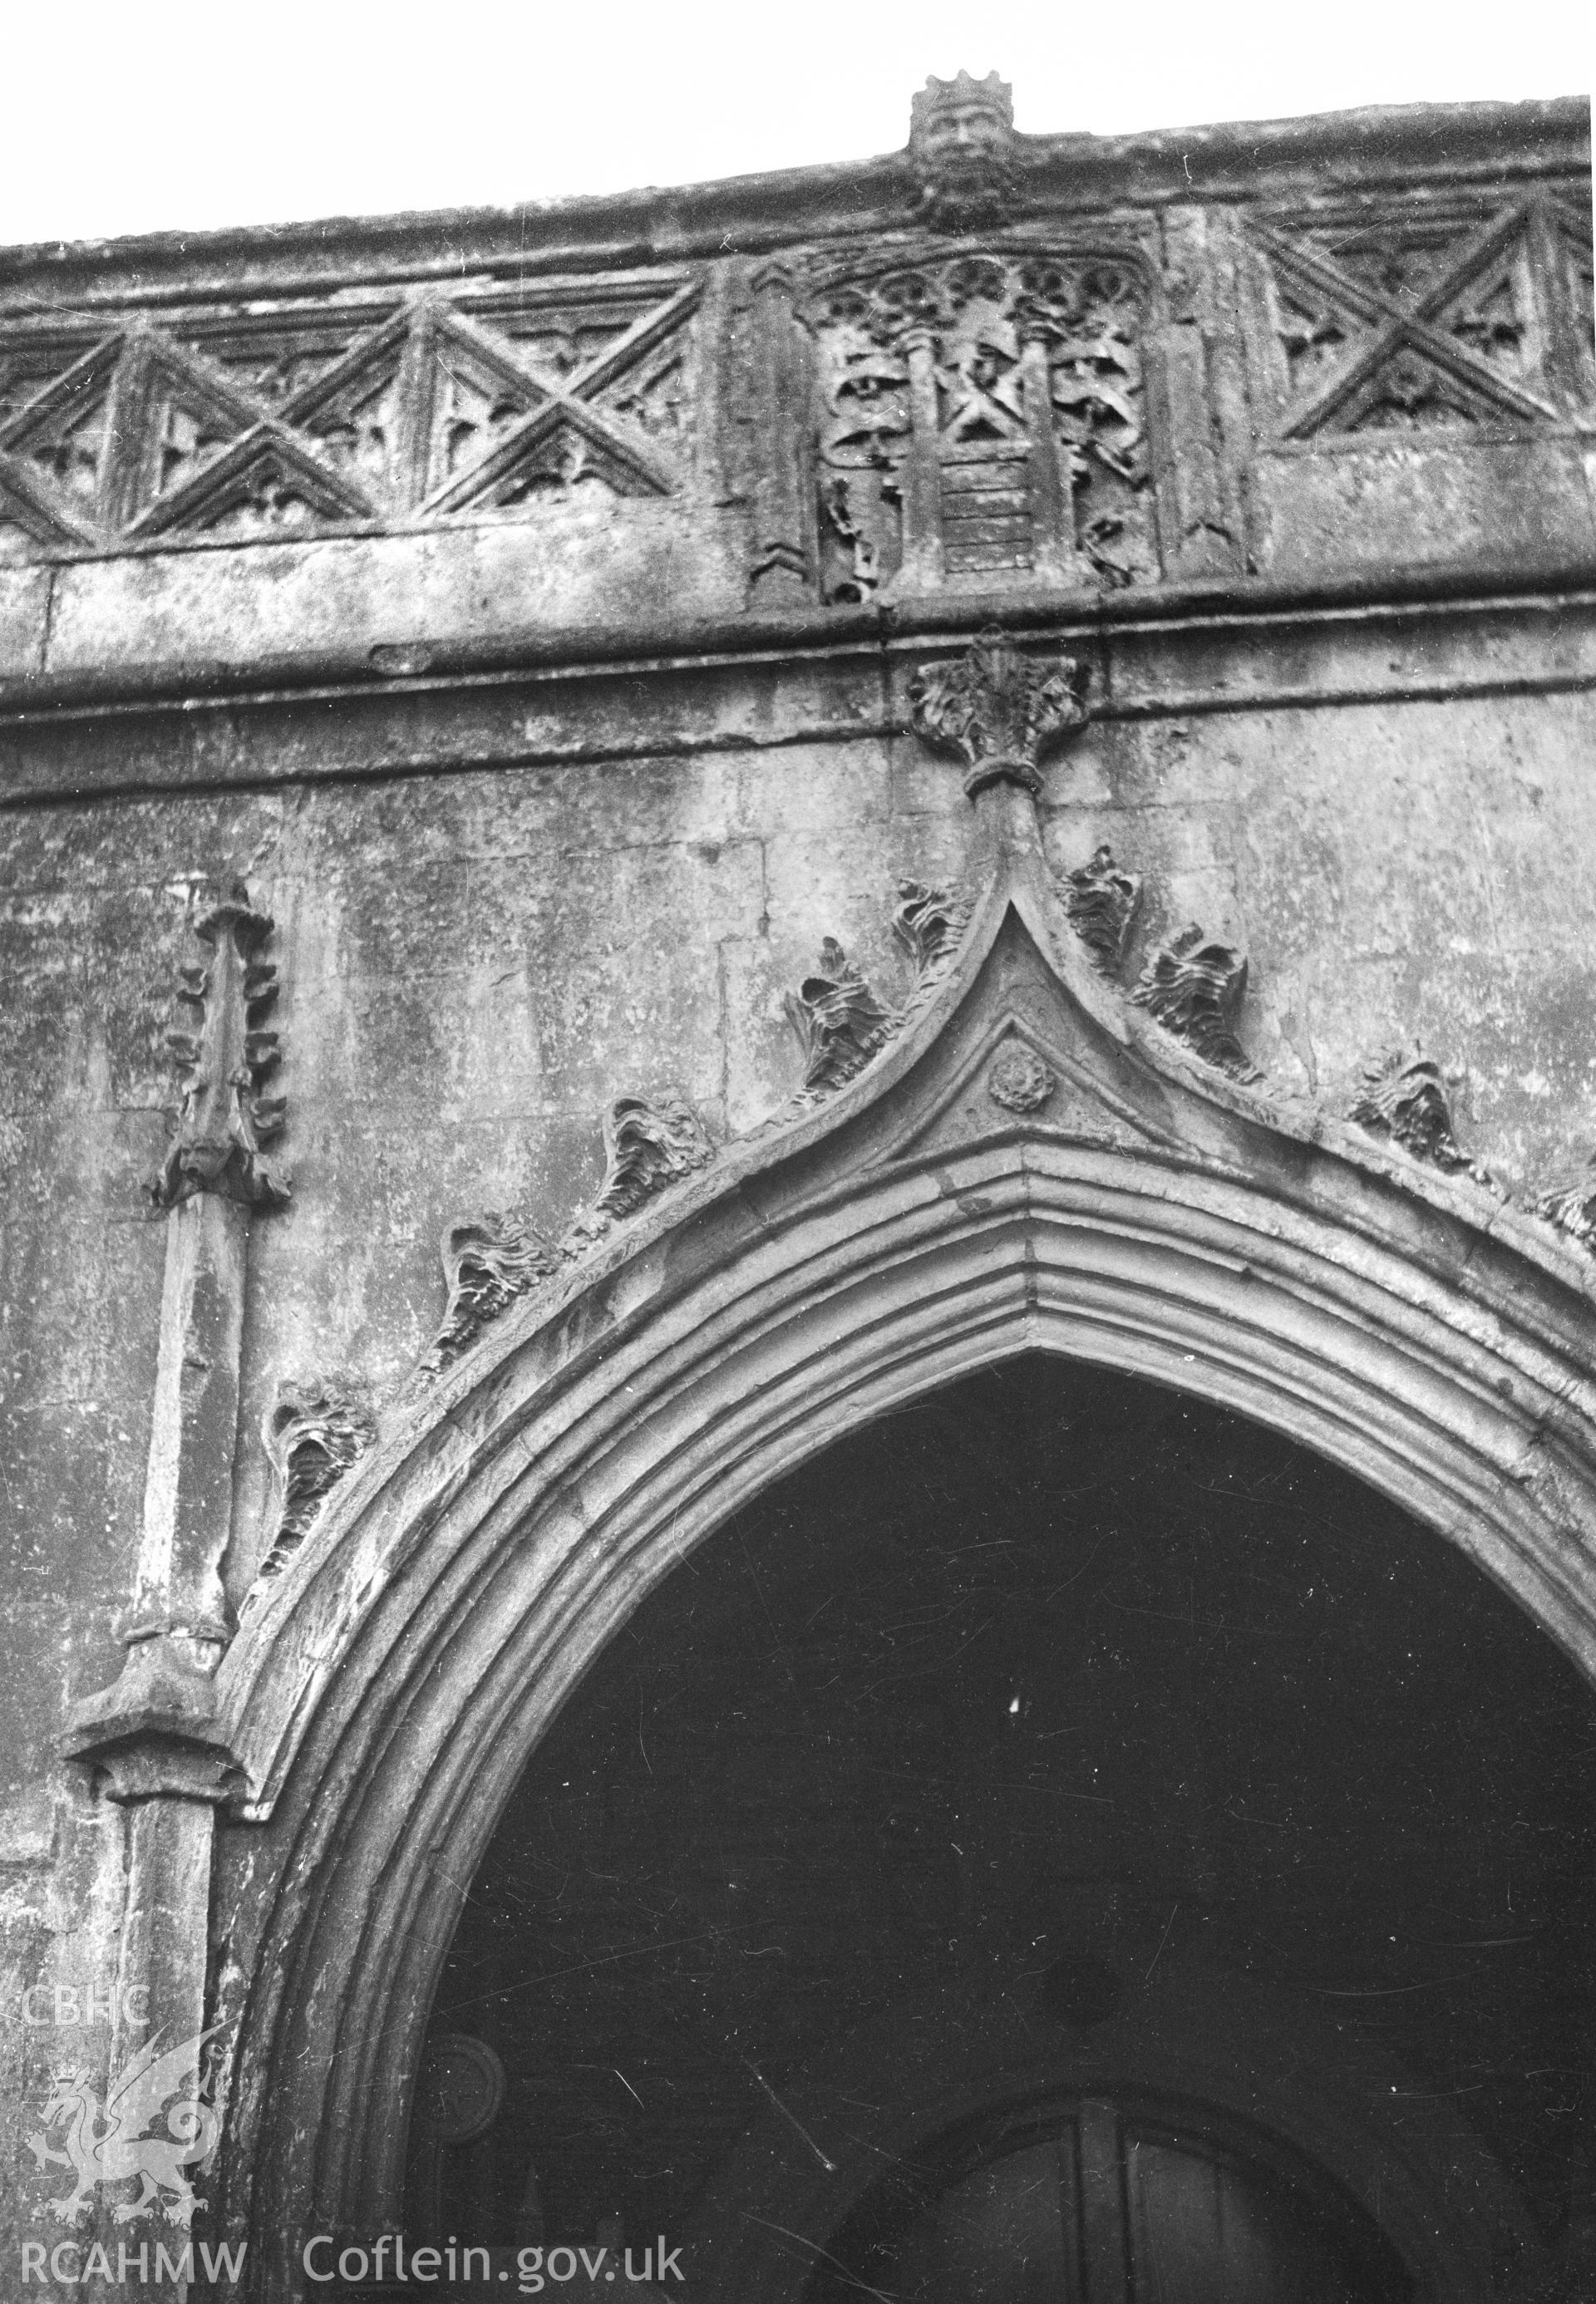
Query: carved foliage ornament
(1193,988)
(1569,1202)
(314,1432)
(1102,902)
(647,1147)
(998,712)
(839,1020)
(489,1260)
(1405,1099)
(929,923)
(226,1055)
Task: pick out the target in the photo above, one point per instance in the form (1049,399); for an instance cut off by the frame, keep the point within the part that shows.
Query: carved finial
(999,712)
(1569,1202)
(225,1055)
(1405,1099)
(838,1019)
(964,150)
(314,1432)
(1102,902)
(647,1147)
(1193,988)
(929,923)
(488,1260)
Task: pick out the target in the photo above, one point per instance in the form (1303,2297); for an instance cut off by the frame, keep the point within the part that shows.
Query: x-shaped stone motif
(1402,317)
(563,399)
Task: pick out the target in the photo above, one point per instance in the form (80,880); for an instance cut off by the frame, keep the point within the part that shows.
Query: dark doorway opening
(1052,1696)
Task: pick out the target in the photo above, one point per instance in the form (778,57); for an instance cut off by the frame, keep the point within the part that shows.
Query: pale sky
(187,114)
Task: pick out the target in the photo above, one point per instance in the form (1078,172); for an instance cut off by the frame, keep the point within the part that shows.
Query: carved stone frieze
(997,711)
(1102,902)
(1569,1202)
(979,420)
(488,1260)
(929,923)
(839,1020)
(962,151)
(1405,1100)
(226,1054)
(293,415)
(648,1145)
(1193,986)
(314,1432)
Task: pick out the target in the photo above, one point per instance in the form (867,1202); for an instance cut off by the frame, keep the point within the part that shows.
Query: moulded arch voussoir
(1146,1216)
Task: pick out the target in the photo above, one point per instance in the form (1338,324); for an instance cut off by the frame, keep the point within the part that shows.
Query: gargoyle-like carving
(998,712)
(963,151)
(314,1432)
(1102,902)
(838,1019)
(647,1147)
(225,1056)
(488,1260)
(1193,988)
(1405,1099)
(1569,1202)
(929,923)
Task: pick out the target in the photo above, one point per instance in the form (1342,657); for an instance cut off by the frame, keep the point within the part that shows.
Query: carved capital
(999,712)
(488,1260)
(1405,1099)
(314,1432)
(648,1145)
(962,151)
(1102,902)
(1193,988)
(225,1055)
(838,1019)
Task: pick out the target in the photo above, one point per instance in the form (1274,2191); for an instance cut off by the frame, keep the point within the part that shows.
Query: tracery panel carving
(1377,317)
(297,414)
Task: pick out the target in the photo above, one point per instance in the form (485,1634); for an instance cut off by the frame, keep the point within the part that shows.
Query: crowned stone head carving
(963,151)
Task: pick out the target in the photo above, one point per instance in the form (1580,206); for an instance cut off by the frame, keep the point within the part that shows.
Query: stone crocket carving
(1405,1099)
(225,1055)
(1569,1202)
(929,923)
(488,1260)
(839,1020)
(1193,986)
(998,712)
(648,1145)
(314,1432)
(1102,902)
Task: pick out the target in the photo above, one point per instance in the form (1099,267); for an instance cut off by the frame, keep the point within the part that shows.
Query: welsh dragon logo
(126,2149)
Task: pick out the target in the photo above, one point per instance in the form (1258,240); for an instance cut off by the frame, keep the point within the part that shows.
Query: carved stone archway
(1022,1161)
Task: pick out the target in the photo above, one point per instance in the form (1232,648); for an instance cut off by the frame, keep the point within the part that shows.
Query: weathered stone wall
(537,824)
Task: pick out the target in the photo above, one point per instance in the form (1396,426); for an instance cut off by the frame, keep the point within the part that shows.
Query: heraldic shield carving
(980,421)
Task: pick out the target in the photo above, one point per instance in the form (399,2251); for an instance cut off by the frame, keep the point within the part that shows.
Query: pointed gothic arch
(1025,1162)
